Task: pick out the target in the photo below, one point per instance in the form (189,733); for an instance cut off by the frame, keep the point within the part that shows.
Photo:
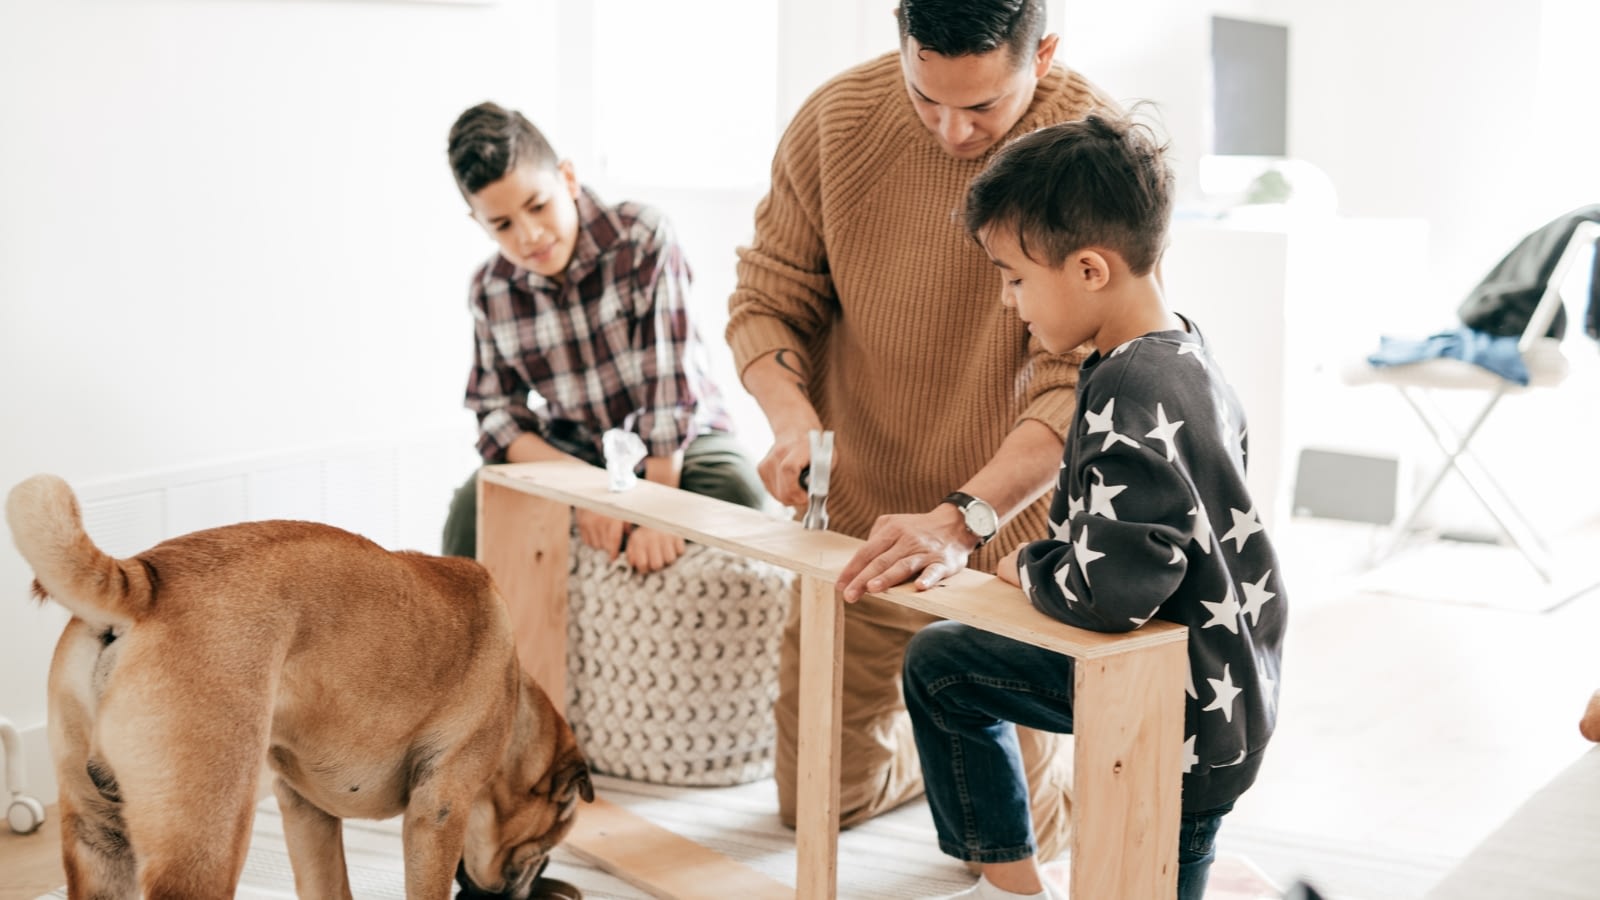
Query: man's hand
(650,550)
(780,468)
(601,532)
(778,383)
(928,547)
(1006,569)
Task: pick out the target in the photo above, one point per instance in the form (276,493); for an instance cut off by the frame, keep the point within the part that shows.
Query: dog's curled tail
(47,527)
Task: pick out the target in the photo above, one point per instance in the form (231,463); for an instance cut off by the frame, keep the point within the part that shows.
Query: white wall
(227,227)
(1471,114)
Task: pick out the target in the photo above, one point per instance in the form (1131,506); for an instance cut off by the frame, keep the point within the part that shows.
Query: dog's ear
(572,779)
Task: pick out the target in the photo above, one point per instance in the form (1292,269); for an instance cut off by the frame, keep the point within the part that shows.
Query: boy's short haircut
(488,140)
(1098,182)
(973,27)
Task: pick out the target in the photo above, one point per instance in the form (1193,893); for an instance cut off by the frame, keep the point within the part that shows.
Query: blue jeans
(967,690)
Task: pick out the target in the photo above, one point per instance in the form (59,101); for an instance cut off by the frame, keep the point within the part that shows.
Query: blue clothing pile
(1497,353)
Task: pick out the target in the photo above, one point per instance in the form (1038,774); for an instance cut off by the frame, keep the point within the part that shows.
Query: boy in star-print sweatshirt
(1151,517)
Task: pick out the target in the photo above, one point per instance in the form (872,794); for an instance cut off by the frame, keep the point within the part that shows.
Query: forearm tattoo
(790,363)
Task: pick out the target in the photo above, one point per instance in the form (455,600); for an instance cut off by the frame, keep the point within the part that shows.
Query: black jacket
(1503,302)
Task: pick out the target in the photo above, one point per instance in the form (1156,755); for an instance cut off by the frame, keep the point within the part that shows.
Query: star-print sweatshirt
(1152,519)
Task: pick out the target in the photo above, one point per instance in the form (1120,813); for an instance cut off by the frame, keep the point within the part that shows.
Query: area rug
(1487,575)
(892,857)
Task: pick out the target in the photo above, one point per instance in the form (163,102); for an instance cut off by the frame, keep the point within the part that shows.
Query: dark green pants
(714,465)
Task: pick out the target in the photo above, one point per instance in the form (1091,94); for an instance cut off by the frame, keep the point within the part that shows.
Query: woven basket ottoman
(671,676)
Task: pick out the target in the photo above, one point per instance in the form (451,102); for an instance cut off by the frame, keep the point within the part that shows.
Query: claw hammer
(814,478)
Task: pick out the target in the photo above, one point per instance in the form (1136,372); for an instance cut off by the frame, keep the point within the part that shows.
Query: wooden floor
(1409,730)
(30,865)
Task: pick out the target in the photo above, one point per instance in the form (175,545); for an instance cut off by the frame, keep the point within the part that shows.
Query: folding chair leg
(1459,457)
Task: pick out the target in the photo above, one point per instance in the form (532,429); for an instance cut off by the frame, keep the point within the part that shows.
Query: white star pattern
(1245,523)
(1085,554)
(1226,693)
(1202,527)
(1224,612)
(1061,582)
(1194,351)
(1026,579)
(1101,494)
(1256,596)
(1074,505)
(1100,423)
(1165,430)
(1269,686)
(1177,555)
(1189,759)
(1062,531)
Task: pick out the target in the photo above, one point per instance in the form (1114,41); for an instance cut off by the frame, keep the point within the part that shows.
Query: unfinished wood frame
(1128,702)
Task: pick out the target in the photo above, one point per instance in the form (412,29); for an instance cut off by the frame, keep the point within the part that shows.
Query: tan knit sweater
(861,265)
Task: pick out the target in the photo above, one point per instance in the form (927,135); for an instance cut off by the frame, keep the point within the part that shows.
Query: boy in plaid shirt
(582,324)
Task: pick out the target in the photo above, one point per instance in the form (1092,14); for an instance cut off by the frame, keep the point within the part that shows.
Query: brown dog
(373,683)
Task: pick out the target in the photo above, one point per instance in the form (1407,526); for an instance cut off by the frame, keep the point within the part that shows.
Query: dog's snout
(517,881)
(520,881)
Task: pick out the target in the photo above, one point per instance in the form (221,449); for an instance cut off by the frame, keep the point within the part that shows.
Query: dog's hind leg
(95,852)
(187,772)
(316,847)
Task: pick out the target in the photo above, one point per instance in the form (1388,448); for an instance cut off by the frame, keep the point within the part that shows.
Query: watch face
(981,519)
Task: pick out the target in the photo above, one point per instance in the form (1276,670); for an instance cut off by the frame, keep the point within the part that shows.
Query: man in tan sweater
(862,307)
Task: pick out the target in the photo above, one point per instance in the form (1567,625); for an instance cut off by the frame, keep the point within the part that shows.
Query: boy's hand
(601,532)
(1006,568)
(929,547)
(650,550)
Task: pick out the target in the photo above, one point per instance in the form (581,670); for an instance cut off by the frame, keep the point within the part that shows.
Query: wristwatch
(980,517)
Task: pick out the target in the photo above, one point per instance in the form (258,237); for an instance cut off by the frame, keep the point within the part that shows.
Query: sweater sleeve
(1052,386)
(1121,533)
(785,296)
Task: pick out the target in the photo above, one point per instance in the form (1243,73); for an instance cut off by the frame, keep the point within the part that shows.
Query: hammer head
(815,478)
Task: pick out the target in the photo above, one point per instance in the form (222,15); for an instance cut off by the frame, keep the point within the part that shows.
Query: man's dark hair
(1099,182)
(973,27)
(488,140)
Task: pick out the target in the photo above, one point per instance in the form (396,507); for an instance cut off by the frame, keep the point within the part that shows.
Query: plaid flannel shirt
(613,339)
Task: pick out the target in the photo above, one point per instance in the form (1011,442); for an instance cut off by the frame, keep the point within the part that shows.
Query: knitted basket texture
(671,676)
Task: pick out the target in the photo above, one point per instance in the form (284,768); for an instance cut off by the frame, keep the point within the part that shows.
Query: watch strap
(962,500)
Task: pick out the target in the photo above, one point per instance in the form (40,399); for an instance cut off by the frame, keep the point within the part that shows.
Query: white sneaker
(985,890)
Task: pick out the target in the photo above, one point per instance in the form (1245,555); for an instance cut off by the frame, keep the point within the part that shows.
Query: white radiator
(396,493)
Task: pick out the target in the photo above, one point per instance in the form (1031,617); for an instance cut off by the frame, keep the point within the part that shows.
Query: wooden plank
(976,598)
(664,864)
(524,542)
(817,779)
(1128,773)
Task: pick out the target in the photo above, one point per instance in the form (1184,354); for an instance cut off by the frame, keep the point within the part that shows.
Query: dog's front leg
(434,832)
(316,847)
